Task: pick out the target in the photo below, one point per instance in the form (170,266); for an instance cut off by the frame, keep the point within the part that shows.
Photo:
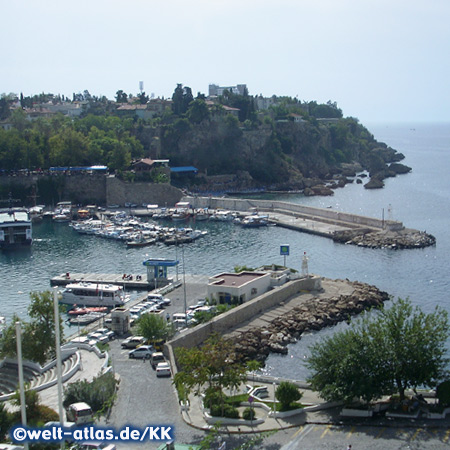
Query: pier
(340,226)
(104,278)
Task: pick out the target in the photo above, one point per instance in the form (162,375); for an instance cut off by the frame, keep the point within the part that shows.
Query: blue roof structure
(184,169)
(160,262)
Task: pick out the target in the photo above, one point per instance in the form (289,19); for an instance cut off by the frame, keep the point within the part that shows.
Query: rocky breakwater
(312,314)
(396,240)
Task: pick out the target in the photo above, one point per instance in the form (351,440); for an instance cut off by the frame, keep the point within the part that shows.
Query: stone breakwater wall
(322,214)
(340,226)
(256,342)
(242,313)
(312,315)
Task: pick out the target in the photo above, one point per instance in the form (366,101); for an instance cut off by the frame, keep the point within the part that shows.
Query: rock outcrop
(396,240)
(314,314)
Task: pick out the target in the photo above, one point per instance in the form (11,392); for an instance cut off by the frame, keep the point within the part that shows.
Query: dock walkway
(104,278)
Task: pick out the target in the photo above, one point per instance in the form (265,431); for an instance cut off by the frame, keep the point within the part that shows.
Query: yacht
(15,228)
(93,294)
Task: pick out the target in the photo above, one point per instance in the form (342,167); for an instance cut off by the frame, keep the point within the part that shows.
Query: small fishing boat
(78,311)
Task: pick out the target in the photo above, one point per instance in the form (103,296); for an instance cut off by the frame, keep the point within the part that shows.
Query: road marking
(298,431)
(416,433)
(447,435)
(327,429)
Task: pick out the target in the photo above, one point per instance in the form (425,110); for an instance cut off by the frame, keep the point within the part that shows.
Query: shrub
(99,393)
(443,393)
(224,410)
(248,414)
(287,393)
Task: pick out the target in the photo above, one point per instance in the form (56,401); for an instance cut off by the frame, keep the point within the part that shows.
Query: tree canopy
(399,348)
(154,327)
(38,334)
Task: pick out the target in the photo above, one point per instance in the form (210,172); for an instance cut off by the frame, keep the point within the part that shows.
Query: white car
(133,342)
(163,370)
(142,352)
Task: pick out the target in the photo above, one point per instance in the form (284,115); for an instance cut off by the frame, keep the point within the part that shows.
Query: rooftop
(235,279)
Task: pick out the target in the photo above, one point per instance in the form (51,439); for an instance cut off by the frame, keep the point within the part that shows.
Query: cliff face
(279,155)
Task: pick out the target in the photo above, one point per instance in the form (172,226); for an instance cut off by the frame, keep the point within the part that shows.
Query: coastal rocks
(396,240)
(318,190)
(374,183)
(312,315)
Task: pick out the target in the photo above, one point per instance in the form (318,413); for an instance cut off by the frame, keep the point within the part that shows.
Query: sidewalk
(319,412)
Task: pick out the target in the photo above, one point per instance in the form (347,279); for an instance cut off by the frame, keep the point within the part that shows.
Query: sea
(420,199)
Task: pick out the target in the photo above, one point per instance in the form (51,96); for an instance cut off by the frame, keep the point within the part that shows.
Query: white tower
(305,271)
(141,86)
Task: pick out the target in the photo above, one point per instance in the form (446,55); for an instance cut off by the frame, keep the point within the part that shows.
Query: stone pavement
(319,412)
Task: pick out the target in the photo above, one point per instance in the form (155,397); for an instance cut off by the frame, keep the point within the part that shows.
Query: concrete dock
(104,278)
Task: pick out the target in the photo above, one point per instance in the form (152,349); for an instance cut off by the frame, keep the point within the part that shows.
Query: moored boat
(15,228)
(93,294)
(78,311)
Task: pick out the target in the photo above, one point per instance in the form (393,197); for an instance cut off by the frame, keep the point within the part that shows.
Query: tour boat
(15,228)
(93,294)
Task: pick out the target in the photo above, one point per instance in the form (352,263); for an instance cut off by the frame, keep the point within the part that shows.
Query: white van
(80,413)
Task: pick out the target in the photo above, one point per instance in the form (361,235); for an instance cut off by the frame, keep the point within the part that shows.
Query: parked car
(142,352)
(157,358)
(163,370)
(133,342)
(80,413)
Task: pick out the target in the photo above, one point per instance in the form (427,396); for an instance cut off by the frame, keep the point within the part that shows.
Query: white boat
(15,228)
(2,325)
(93,294)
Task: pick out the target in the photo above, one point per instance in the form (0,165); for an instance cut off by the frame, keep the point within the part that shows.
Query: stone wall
(119,192)
(224,322)
(98,189)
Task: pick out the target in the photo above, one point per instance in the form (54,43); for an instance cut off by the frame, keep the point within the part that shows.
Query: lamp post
(274,405)
(58,360)
(184,286)
(21,383)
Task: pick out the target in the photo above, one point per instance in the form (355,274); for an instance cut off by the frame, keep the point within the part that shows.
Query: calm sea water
(420,199)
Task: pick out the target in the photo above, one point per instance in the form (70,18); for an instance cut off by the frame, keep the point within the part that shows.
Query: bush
(248,414)
(98,394)
(443,393)
(287,393)
(229,411)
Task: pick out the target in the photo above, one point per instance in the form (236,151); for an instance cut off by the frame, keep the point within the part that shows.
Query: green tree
(121,96)
(197,111)
(154,327)
(213,366)
(400,348)
(38,335)
(287,393)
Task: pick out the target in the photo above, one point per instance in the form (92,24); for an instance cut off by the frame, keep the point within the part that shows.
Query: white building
(237,288)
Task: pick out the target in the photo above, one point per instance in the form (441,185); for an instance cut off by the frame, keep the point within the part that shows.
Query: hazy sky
(380,60)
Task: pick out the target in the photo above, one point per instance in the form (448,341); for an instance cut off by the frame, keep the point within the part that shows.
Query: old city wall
(96,189)
(292,208)
(119,192)
(236,316)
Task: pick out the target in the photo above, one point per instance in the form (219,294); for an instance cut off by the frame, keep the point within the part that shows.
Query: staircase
(9,375)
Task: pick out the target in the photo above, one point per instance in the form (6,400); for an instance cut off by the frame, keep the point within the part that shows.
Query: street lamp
(21,382)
